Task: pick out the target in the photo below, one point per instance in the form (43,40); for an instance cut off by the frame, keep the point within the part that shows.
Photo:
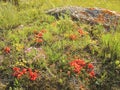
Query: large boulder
(105,17)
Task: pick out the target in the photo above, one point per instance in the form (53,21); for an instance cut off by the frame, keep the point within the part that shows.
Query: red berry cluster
(7,49)
(18,72)
(78,65)
(91,70)
(39,36)
(73,37)
(81,32)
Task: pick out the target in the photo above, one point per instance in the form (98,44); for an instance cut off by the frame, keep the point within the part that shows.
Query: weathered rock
(92,15)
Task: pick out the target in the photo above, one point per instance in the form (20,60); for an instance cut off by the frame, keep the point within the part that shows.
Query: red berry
(92,74)
(7,49)
(90,66)
(73,37)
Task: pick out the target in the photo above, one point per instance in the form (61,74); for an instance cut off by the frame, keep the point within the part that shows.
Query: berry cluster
(74,36)
(18,72)
(39,36)
(7,49)
(78,65)
(81,32)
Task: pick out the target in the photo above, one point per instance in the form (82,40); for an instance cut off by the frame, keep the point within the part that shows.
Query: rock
(92,15)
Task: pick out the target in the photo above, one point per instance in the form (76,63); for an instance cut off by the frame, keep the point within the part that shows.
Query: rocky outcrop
(92,15)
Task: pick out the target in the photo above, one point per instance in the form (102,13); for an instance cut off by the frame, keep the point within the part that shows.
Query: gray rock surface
(91,15)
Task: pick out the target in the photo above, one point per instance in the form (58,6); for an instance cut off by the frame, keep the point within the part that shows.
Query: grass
(41,53)
(111,4)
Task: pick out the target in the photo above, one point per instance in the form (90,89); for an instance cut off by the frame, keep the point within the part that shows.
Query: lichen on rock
(105,17)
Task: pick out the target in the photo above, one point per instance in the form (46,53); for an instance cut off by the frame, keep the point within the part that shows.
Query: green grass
(111,4)
(108,4)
